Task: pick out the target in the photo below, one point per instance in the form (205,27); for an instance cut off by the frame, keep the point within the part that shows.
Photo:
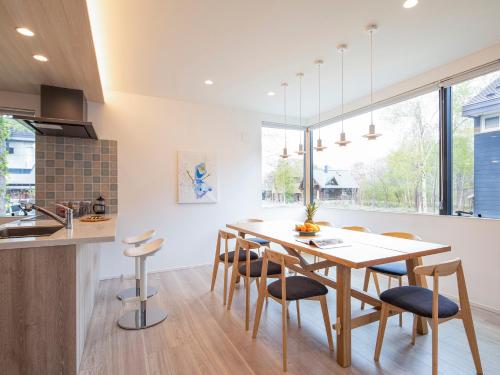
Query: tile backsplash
(75,169)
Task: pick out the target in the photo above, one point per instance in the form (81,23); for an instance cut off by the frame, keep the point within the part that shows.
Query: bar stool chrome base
(140,319)
(134,292)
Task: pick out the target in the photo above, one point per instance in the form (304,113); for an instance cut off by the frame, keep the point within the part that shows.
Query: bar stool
(143,317)
(136,292)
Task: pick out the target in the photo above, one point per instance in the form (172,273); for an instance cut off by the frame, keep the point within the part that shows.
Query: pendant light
(285,151)
(319,143)
(301,145)
(342,141)
(372,135)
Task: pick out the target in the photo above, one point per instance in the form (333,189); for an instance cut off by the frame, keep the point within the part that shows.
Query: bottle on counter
(99,208)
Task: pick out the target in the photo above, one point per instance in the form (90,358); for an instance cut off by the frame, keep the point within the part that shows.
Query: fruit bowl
(307,229)
(307,234)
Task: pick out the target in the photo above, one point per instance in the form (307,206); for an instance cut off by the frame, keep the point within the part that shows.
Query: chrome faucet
(68,222)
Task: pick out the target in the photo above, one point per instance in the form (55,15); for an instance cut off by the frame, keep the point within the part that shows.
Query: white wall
(476,241)
(466,63)
(149,132)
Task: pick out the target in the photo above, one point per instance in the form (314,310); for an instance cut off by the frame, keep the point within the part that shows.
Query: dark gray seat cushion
(418,301)
(256,268)
(395,268)
(242,256)
(260,241)
(297,287)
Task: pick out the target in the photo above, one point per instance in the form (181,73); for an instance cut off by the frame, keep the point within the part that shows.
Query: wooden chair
(428,304)
(324,223)
(287,289)
(260,241)
(227,258)
(250,271)
(358,229)
(395,270)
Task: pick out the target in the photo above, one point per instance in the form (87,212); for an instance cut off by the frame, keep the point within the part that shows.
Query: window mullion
(445,151)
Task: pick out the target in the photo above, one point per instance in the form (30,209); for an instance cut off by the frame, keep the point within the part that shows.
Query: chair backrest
(226,235)
(284,260)
(139,239)
(439,269)
(324,223)
(358,229)
(246,244)
(445,269)
(251,220)
(280,258)
(243,245)
(404,235)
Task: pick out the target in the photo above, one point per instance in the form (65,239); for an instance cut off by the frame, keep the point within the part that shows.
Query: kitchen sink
(16,232)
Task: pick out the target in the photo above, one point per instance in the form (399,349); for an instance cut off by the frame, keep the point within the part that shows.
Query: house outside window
(17,166)
(282,179)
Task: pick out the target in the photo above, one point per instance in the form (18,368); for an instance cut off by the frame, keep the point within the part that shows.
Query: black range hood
(63,114)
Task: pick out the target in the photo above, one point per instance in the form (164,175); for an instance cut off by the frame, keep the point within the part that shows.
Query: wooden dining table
(362,250)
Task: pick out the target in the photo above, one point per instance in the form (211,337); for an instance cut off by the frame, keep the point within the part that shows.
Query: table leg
(414,279)
(344,315)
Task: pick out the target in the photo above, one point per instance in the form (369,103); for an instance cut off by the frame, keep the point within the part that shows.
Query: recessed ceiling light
(25,31)
(209,82)
(410,3)
(40,58)
(271,93)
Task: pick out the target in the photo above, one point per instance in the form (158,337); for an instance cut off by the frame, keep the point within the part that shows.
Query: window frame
(304,129)
(444,87)
(483,122)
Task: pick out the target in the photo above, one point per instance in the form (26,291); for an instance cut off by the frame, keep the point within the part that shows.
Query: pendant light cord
(300,101)
(319,99)
(284,107)
(342,88)
(371,75)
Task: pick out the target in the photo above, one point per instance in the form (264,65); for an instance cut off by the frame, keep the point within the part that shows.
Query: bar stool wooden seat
(226,258)
(136,292)
(432,306)
(287,289)
(391,270)
(250,271)
(143,317)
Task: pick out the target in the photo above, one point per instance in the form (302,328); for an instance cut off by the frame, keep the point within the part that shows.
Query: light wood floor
(201,337)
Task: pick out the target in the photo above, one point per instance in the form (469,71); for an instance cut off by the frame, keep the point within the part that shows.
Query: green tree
(286,178)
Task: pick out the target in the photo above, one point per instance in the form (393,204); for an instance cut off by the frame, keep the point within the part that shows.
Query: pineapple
(311,209)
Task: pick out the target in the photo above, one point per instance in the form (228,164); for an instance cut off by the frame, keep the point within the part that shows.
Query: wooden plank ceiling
(62,34)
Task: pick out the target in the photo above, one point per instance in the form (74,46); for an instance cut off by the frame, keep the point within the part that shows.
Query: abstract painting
(197,177)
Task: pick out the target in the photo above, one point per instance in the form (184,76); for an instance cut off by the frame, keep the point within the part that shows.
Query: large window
(399,171)
(438,153)
(476,146)
(282,179)
(17,165)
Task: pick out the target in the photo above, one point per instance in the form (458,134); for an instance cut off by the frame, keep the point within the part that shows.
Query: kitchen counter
(82,233)
(49,287)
